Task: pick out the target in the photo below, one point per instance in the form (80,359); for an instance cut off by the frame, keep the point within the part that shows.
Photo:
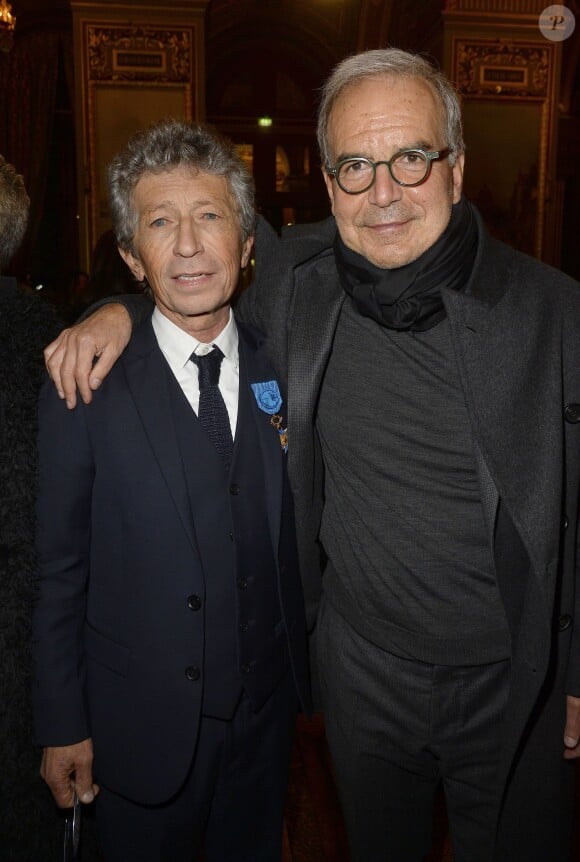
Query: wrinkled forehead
(384,105)
(181,183)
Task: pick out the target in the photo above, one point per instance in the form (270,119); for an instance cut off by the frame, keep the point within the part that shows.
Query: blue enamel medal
(267,395)
(269,399)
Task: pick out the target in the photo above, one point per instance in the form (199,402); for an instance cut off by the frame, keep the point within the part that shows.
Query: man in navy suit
(169,632)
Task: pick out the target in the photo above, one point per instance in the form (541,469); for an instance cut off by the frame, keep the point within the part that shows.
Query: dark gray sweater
(410,531)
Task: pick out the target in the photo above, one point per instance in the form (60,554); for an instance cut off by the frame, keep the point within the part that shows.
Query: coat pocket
(106,652)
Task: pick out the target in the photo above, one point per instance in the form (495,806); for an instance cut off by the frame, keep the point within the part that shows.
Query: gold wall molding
(138,54)
(136,62)
(508,74)
(496,68)
(504,7)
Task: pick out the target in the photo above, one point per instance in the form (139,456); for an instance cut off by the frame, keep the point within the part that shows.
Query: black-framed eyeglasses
(411,167)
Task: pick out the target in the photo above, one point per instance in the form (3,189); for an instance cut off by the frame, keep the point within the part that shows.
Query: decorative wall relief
(135,76)
(508,106)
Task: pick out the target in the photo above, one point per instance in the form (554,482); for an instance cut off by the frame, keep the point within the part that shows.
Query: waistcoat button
(572,413)
(564,622)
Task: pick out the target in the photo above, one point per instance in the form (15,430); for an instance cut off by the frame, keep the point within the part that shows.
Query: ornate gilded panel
(134,76)
(138,54)
(511,7)
(501,68)
(508,85)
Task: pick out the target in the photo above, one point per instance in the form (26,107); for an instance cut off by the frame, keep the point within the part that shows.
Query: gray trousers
(397,729)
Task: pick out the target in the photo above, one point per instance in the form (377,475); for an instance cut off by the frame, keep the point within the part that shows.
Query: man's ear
(246,251)
(133,264)
(329,183)
(457,177)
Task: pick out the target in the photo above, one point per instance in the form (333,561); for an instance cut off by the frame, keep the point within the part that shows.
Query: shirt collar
(178,345)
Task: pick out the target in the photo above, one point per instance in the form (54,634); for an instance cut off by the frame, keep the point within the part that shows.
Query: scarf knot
(409,297)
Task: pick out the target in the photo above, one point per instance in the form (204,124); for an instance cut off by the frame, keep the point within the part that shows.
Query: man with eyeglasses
(434,454)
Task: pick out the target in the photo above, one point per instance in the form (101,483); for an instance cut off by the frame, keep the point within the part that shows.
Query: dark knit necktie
(212,413)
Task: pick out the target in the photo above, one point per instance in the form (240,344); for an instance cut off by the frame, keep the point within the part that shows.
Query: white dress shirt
(177,346)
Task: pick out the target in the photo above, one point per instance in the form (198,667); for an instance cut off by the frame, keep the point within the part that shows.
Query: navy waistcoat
(245,639)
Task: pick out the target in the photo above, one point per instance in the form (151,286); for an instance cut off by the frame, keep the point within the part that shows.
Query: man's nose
(384,189)
(187,241)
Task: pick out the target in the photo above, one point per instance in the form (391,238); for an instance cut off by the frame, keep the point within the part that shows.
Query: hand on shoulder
(82,356)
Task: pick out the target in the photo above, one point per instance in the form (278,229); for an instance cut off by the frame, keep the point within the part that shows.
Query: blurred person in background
(30,830)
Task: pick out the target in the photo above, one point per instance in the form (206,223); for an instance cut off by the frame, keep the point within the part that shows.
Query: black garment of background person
(30,824)
(108,272)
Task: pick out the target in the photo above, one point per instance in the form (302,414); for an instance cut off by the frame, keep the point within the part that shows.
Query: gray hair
(390,61)
(174,143)
(14,207)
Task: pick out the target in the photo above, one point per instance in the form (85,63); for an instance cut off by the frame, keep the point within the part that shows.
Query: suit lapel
(254,368)
(513,388)
(146,372)
(316,307)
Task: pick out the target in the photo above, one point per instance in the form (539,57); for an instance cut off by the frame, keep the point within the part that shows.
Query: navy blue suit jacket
(118,558)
